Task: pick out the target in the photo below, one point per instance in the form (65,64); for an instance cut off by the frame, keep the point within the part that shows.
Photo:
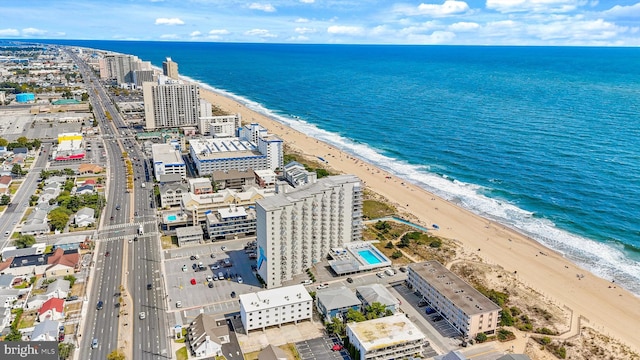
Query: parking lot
(320,348)
(199,294)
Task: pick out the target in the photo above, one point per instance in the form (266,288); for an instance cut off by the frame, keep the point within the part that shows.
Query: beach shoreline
(603,305)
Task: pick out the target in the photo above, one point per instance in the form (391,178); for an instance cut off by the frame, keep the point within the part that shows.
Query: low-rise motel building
(390,337)
(459,303)
(267,308)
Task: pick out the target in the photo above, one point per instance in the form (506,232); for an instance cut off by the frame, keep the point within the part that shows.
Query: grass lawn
(27,320)
(373,209)
(169,242)
(181,354)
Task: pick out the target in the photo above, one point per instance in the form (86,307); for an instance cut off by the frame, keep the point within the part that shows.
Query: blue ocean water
(542,139)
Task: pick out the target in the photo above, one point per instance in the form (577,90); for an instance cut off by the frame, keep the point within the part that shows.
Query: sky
(451,22)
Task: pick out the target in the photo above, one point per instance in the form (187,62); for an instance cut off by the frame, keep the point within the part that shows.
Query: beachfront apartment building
(267,144)
(170,104)
(170,69)
(167,160)
(390,337)
(220,126)
(227,154)
(119,67)
(459,303)
(298,227)
(234,179)
(198,207)
(273,307)
(232,221)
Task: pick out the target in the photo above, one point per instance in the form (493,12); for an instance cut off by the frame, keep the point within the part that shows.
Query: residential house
(37,223)
(190,235)
(85,217)
(451,355)
(85,189)
(5,183)
(371,293)
(206,334)
(36,301)
(52,309)
(62,263)
(272,353)
(71,242)
(6,281)
(336,302)
(5,316)
(46,330)
(59,289)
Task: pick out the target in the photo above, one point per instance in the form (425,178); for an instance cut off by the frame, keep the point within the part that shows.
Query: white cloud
(345,30)
(9,32)
(195,33)
(464,26)
(262,7)
(169,36)
(33,32)
(298,38)
(260,33)
(437,37)
(302,20)
(540,6)
(448,8)
(632,11)
(304,30)
(219,32)
(169,21)
(307,1)
(581,30)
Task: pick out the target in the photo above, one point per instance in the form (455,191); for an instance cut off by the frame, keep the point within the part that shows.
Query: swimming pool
(172,218)
(369,257)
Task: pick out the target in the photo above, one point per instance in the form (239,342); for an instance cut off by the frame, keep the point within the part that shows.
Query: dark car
(349,280)
(149,286)
(72,298)
(118,207)
(210,284)
(107,253)
(100,305)
(233,294)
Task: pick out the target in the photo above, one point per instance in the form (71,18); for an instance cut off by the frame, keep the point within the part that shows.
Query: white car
(323,286)
(142,315)
(209,278)
(239,280)
(184,268)
(215,267)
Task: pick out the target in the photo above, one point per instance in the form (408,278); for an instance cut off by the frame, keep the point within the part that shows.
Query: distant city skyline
(454,22)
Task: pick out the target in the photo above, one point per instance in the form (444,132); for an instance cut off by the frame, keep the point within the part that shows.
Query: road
(20,200)
(150,339)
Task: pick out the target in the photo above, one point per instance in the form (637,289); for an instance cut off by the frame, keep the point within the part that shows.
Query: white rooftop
(385,332)
(274,298)
(222,148)
(231,212)
(166,154)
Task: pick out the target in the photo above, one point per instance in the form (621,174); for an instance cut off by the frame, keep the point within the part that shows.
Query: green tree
(389,245)
(115,355)
(5,199)
(25,241)
(65,350)
(375,310)
(336,326)
(84,97)
(481,337)
(23,141)
(14,335)
(71,279)
(58,218)
(396,254)
(16,170)
(3,142)
(355,315)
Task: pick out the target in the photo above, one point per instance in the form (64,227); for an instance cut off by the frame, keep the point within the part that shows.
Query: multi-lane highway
(124,214)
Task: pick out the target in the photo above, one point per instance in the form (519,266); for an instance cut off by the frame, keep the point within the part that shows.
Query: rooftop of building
(274,298)
(166,154)
(307,191)
(385,332)
(217,148)
(189,231)
(458,291)
(232,174)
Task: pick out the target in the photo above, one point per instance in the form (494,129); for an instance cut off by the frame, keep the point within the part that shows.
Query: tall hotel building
(170,69)
(297,228)
(169,104)
(119,67)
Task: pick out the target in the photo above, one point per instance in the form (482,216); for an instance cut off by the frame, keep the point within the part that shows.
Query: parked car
(215,267)
(323,286)
(223,248)
(380,275)
(72,298)
(239,280)
(107,253)
(349,280)
(233,294)
(306,282)
(184,268)
(210,284)
(209,278)
(178,304)
(193,281)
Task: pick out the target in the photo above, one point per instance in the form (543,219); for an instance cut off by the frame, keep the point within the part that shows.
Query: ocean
(542,139)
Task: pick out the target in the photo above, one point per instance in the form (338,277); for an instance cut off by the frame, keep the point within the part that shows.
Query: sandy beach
(602,305)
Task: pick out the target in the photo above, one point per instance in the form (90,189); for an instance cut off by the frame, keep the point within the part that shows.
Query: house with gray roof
(85,189)
(272,353)
(336,302)
(514,357)
(206,335)
(37,223)
(5,317)
(171,193)
(13,252)
(6,281)
(451,355)
(47,330)
(85,217)
(60,180)
(71,242)
(371,293)
(35,302)
(59,289)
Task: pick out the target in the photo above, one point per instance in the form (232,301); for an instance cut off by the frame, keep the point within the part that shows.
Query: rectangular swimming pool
(369,257)
(172,217)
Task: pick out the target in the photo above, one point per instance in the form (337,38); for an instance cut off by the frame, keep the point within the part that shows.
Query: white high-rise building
(119,67)
(297,228)
(169,104)
(219,126)
(167,160)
